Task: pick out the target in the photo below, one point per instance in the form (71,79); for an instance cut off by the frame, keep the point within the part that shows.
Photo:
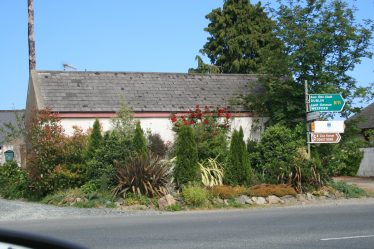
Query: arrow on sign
(326,103)
(324,138)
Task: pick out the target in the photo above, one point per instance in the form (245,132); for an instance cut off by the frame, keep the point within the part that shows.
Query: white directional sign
(324,138)
(328,126)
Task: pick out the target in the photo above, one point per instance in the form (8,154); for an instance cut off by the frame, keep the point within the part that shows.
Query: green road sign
(326,103)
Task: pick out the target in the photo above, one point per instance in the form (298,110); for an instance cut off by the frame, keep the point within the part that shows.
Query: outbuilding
(79,97)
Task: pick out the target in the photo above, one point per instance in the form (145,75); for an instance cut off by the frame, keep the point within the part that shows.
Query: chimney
(32,63)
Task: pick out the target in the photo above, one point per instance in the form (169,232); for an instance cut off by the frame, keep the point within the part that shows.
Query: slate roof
(8,116)
(366,117)
(78,91)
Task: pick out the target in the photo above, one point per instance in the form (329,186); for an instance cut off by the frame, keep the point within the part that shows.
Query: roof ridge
(135,72)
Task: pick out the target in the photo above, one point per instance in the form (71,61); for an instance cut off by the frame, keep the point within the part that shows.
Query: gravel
(11,210)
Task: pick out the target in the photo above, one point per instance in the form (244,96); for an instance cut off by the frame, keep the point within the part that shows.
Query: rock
(218,201)
(322,197)
(288,198)
(300,197)
(78,199)
(243,199)
(310,197)
(69,200)
(259,200)
(166,201)
(226,202)
(272,199)
(338,194)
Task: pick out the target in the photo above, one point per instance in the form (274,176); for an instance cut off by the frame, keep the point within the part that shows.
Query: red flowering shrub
(53,158)
(211,129)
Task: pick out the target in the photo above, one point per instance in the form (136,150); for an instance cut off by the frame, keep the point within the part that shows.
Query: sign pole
(307,123)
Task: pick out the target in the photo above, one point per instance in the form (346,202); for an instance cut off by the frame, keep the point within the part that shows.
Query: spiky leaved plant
(143,176)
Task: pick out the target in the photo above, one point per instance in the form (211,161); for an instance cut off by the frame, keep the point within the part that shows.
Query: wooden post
(32,62)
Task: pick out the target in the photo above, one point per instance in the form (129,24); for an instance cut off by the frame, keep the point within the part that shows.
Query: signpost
(322,131)
(326,102)
(324,138)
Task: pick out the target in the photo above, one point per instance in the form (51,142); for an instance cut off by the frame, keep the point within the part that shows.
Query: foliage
(96,139)
(143,176)
(139,141)
(75,147)
(240,36)
(210,127)
(157,145)
(350,191)
(227,192)
(265,190)
(238,169)
(135,199)
(194,195)
(45,135)
(77,198)
(13,181)
(211,173)
(280,157)
(186,168)
(174,208)
(324,42)
(123,122)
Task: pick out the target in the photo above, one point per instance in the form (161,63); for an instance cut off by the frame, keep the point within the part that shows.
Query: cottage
(79,97)
(11,148)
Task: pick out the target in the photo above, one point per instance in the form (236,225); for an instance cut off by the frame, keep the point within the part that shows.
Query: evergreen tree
(238,169)
(241,36)
(186,168)
(96,139)
(139,141)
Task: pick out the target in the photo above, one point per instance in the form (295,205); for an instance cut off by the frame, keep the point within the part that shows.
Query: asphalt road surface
(332,226)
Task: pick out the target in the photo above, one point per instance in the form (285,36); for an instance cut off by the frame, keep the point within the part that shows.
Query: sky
(112,35)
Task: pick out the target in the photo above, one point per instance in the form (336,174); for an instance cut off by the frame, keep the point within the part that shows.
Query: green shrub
(13,181)
(157,145)
(96,139)
(195,196)
(186,168)
(135,199)
(143,176)
(350,191)
(238,169)
(139,142)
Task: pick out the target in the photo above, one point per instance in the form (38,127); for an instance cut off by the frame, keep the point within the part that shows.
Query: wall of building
(367,163)
(252,127)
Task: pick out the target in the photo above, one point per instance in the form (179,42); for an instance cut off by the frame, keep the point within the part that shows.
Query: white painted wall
(163,126)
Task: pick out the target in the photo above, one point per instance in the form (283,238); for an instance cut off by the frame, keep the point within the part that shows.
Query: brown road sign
(324,138)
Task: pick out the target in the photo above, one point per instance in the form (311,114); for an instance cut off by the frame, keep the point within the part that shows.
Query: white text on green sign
(326,102)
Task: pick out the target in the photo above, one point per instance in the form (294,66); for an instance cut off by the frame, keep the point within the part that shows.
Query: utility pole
(306,119)
(31,40)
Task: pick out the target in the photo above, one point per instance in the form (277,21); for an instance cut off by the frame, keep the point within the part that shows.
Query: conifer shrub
(265,190)
(238,168)
(95,140)
(139,141)
(186,166)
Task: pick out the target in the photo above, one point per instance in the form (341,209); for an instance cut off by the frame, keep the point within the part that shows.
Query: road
(326,226)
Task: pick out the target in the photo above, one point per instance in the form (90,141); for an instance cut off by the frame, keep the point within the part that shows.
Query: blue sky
(111,35)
